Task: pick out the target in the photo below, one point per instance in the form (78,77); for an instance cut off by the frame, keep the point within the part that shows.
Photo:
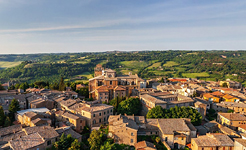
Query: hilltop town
(125,112)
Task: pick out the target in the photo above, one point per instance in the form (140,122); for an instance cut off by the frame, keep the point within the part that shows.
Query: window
(100,114)
(150,132)
(131,140)
(49,142)
(110,82)
(56,139)
(111,110)
(80,127)
(131,134)
(165,138)
(94,115)
(99,120)
(104,113)
(104,118)
(80,121)
(107,111)
(94,121)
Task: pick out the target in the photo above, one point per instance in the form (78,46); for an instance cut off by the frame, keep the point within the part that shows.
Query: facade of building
(175,132)
(231,120)
(164,99)
(108,85)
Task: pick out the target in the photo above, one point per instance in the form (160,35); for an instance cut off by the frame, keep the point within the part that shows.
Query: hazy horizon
(59,26)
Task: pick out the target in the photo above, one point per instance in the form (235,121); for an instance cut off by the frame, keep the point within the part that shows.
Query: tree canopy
(13,108)
(176,112)
(129,106)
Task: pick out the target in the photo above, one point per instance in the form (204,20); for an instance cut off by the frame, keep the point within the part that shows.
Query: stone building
(175,132)
(107,85)
(212,141)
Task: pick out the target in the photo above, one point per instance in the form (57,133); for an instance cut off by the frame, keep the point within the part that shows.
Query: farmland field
(8,64)
(195,75)
(170,64)
(133,64)
(154,65)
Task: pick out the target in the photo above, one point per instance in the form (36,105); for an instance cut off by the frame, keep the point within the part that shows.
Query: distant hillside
(207,65)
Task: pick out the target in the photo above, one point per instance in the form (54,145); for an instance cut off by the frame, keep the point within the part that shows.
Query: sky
(61,26)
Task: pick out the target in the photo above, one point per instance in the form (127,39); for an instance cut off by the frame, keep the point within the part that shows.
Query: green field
(88,75)
(170,64)
(7,64)
(133,64)
(195,75)
(155,65)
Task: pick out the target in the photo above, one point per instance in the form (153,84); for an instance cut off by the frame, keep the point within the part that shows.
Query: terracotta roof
(227,96)
(233,116)
(118,88)
(94,107)
(144,144)
(27,142)
(243,126)
(217,93)
(177,80)
(208,95)
(102,88)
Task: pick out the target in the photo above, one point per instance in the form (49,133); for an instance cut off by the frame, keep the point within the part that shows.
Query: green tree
(224,85)
(13,108)
(75,145)
(157,139)
(156,112)
(62,85)
(7,122)
(162,80)
(1,87)
(95,140)
(2,116)
(107,146)
(130,106)
(17,85)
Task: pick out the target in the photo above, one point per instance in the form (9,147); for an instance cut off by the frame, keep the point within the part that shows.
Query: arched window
(94,121)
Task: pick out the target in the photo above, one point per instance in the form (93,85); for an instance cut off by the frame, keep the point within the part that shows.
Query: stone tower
(98,70)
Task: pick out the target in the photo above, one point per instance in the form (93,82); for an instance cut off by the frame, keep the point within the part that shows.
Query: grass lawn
(8,64)
(170,64)
(180,69)
(81,62)
(155,65)
(133,64)
(195,75)
(126,72)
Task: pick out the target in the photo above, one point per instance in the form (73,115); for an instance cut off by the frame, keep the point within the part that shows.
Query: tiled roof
(30,114)
(68,102)
(94,107)
(233,116)
(10,129)
(27,142)
(69,115)
(118,88)
(243,126)
(144,144)
(217,93)
(241,141)
(152,99)
(102,88)
(227,96)
(214,139)
(45,132)
(67,131)
(12,136)
(168,126)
